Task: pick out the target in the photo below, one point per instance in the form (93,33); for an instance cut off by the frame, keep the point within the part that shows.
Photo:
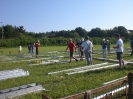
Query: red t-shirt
(71,46)
(36,45)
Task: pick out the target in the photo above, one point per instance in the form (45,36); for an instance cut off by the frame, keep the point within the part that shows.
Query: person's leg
(132,52)
(87,57)
(73,56)
(103,52)
(122,61)
(109,49)
(79,52)
(119,57)
(90,58)
(82,53)
(70,57)
(36,53)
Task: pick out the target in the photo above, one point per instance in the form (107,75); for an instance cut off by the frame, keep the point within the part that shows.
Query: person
(37,44)
(20,49)
(29,48)
(72,49)
(82,52)
(131,45)
(104,48)
(108,46)
(119,50)
(78,46)
(87,47)
(32,48)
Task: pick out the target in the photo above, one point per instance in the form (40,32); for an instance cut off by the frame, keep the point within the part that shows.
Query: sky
(56,15)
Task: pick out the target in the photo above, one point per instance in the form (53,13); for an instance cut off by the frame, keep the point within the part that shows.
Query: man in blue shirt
(32,48)
(104,48)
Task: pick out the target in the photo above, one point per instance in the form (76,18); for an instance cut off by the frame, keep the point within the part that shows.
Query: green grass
(60,85)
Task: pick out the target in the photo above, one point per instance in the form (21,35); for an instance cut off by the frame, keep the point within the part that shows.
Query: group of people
(85,47)
(31,48)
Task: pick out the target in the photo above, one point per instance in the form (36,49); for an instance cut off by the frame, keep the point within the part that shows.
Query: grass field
(59,85)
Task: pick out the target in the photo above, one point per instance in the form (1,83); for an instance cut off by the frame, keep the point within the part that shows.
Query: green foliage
(14,36)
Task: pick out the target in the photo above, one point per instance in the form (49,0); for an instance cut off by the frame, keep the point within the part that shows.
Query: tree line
(17,35)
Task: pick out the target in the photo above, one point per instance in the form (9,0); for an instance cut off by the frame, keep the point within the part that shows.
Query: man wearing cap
(119,50)
(72,48)
(87,47)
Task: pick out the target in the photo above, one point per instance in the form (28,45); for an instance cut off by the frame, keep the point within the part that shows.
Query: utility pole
(2,30)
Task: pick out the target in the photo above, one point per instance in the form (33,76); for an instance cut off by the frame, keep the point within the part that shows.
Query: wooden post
(130,80)
(87,95)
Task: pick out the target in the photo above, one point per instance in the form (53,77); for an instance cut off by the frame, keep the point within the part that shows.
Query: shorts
(71,54)
(119,55)
(36,52)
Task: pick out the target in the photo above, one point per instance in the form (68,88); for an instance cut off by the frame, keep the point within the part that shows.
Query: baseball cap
(87,37)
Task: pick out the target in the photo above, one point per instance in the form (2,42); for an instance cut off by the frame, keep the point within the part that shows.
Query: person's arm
(66,49)
(92,49)
(117,46)
(131,44)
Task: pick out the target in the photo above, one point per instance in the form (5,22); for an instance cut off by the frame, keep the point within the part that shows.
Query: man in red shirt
(72,49)
(37,45)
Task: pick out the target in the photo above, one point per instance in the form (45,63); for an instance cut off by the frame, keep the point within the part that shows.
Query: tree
(8,31)
(121,30)
(96,32)
(81,32)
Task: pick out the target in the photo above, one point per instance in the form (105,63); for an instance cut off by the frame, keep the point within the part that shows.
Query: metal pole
(2,29)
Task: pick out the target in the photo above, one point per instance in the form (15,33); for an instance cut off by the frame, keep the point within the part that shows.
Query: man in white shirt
(20,49)
(119,50)
(87,47)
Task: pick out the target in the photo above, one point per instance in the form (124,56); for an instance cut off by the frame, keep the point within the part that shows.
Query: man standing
(108,46)
(29,48)
(32,48)
(20,49)
(82,52)
(88,50)
(37,45)
(72,48)
(104,48)
(78,46)
(119,50)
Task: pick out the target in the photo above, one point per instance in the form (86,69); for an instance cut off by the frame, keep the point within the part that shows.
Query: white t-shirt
(20,48)
(120,43)
(85,45)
